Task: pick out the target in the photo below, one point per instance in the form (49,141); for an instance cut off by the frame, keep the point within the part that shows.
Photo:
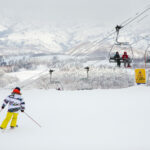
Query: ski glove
(22,110)
(2,107)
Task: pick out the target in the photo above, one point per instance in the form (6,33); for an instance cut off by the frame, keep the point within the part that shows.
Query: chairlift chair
(147,55)
(121,48)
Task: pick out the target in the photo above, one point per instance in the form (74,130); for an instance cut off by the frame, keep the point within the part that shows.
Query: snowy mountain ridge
(18,37)
(22,38)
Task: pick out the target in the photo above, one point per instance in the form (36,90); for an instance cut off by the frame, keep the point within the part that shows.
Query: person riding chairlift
(117,59)
(126,59)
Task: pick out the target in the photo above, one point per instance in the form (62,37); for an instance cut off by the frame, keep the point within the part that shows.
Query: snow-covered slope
(91,120)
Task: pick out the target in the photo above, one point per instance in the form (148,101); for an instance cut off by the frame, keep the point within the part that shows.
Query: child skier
(15,104)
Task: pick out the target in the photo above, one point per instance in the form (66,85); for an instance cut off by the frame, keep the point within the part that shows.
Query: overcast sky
(104,11)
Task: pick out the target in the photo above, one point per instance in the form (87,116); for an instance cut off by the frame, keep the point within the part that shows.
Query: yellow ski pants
(10,115)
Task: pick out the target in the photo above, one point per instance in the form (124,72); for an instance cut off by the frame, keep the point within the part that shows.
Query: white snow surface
(81,120)
(24,74)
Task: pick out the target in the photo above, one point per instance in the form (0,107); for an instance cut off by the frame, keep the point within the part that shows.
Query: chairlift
(120,47)
(147,55)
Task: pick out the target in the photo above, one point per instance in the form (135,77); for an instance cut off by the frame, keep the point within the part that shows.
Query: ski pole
(32,119)
(0,109)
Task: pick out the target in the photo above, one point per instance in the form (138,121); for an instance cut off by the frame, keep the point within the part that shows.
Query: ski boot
(13,127)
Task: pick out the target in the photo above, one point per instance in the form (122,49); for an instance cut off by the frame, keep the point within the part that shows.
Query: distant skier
(117,59)
(126,59)
(15,104)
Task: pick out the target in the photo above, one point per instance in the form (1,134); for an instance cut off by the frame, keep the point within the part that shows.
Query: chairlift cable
(137,16)
(142,18)
(127,22)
